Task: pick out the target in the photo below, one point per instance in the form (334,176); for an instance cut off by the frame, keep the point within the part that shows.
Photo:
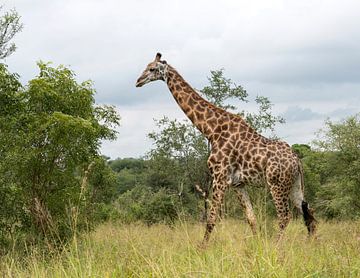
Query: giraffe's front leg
(216,201)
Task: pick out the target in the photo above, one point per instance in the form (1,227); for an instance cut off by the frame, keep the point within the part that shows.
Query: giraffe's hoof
(279,237)
(201,246)
(254,231)
(313,236)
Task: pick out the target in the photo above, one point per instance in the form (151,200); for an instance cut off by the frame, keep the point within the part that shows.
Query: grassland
(116,250)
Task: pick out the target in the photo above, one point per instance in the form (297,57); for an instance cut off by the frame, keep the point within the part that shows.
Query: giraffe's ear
(163,62)
(158,57)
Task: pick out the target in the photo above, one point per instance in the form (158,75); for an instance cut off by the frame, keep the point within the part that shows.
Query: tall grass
(136,250)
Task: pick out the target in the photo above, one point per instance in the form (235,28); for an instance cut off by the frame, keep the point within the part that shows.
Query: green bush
(142,204)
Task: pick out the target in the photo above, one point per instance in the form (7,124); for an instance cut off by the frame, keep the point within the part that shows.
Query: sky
(303,55)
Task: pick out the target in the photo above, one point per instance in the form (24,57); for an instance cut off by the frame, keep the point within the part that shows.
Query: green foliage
(178,161)
(301,150)
(161,207)
(129,173)
(339,194)
(127,163)
(9,26)
(222,89)
(263,120)
(102,180)
(51,133)
(180,152)
(141,203)
(331,170)
(177,140)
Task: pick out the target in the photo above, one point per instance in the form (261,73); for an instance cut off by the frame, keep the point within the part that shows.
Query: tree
(222,90)
(49,144)
(9,26)
(339,194)
(129,172)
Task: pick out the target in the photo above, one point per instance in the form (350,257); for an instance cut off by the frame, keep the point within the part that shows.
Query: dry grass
(116,250)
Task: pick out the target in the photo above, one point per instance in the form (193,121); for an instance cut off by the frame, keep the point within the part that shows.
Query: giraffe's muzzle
(141,81)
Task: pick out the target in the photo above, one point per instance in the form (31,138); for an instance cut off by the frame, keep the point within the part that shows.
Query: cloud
(303,55)
(341,113)
(302,132)
(296,114)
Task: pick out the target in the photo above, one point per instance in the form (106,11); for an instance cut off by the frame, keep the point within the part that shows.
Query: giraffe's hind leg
(280,192)
(247,207)
(281,201)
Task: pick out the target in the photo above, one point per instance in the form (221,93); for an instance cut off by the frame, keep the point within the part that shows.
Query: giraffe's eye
(152,69)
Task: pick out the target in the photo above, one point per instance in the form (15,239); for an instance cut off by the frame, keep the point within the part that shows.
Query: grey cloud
(296,113)
(342,94)
(120,93)
(342,113)
(300,54)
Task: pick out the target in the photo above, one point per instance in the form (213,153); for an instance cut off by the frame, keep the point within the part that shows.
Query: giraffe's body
(239,155)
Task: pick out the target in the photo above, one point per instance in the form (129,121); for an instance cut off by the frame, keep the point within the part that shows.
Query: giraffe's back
(255,160)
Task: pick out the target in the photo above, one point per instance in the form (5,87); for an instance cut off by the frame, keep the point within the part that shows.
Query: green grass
(116,250)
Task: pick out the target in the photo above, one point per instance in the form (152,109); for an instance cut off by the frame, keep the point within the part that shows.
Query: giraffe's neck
(205,116)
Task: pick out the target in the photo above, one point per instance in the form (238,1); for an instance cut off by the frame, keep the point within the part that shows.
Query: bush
(142,204)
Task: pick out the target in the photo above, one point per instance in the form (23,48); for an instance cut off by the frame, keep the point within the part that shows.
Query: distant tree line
(161,186)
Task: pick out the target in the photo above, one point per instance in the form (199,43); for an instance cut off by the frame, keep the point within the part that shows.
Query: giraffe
(239,156)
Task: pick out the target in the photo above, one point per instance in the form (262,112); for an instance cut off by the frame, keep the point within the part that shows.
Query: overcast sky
(303,55)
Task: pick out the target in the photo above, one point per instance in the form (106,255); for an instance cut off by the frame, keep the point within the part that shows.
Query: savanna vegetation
(67,210)
(137,250)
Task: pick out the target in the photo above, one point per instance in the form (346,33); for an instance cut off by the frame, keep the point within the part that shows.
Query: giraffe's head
(156,70)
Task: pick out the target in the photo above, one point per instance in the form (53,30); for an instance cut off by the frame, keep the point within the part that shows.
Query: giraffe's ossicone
(239,157)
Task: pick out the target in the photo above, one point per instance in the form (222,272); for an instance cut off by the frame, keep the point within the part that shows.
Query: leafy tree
(9,26)
(301,150)
(127,163)
(50,138)
(10,199)
(129,173)
(263,120)
(101,191)
(339,194)
(178,160)
(221,90)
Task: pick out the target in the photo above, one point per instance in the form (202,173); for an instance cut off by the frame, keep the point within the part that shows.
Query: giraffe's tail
(309,219)
(308,213)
